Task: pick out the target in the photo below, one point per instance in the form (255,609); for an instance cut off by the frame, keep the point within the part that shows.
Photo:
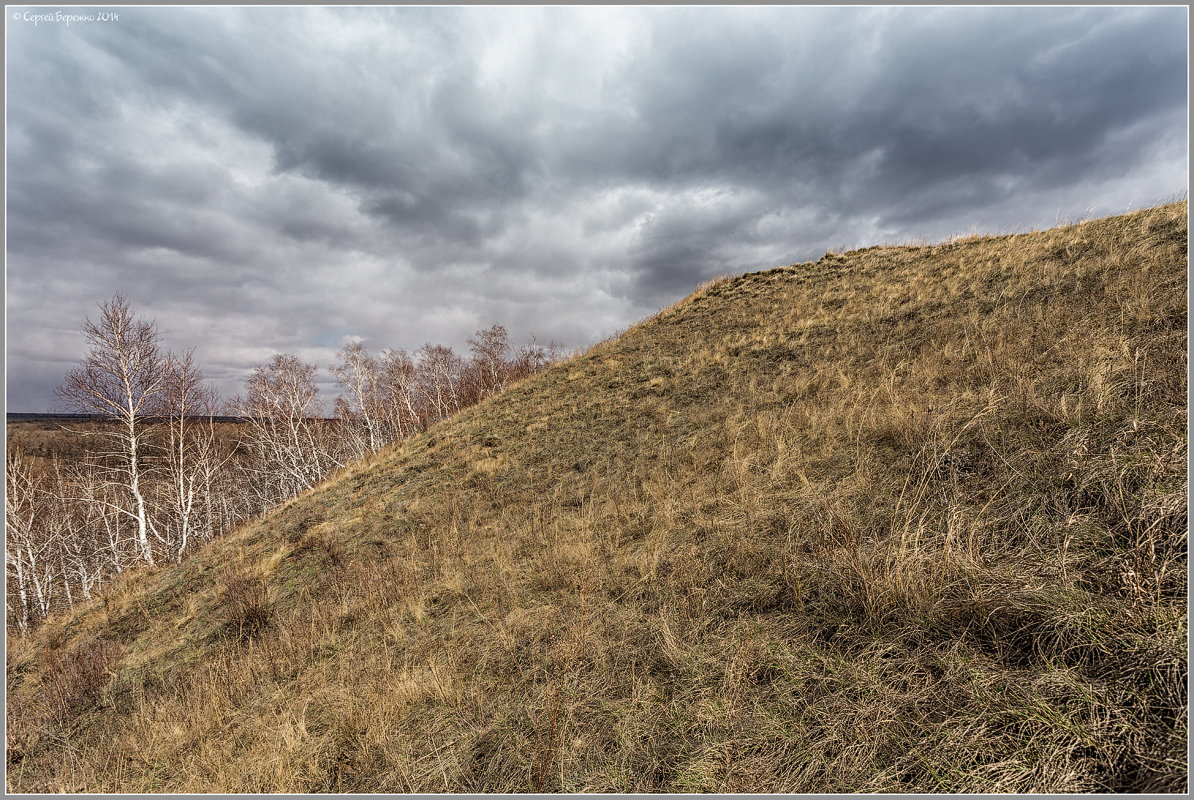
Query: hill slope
(903,519)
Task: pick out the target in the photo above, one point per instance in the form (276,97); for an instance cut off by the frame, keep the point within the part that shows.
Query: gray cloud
(277,179)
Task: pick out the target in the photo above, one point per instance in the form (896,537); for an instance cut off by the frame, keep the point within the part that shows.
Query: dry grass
(903,519)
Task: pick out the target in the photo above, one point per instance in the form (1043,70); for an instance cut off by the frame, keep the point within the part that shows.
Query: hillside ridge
(899,519)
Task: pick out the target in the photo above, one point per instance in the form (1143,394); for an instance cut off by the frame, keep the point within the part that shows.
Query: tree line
(161,476)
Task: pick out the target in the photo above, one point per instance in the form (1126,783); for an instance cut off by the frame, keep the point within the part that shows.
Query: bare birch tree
(26,556)
(281,407)
(191,454)
(97,503)
(121,378)
(439,373)
(360,409)
(491,351)
(399,389)
(67,523)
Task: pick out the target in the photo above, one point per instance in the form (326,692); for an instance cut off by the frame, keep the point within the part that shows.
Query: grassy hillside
(903,519)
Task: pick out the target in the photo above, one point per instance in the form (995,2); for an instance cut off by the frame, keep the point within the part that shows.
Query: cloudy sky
(270,180)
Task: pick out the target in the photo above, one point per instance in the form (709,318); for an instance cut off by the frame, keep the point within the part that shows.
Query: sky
(287,180)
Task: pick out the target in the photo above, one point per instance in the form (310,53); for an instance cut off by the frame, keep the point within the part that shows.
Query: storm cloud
(268,180)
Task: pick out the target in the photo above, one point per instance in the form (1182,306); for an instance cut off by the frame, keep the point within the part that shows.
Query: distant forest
(152,463)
